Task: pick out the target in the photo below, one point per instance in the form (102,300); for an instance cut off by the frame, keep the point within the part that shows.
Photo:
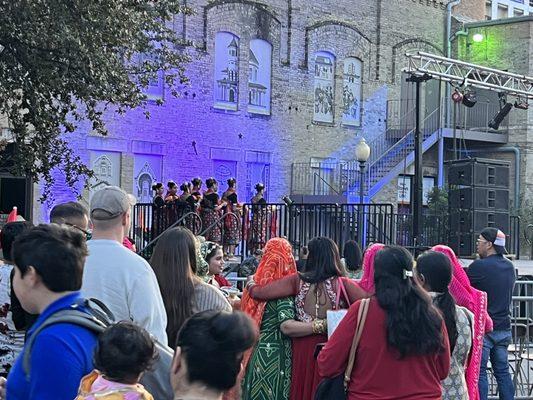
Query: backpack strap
(90,318)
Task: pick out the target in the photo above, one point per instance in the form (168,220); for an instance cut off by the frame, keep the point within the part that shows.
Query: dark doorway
(16,191)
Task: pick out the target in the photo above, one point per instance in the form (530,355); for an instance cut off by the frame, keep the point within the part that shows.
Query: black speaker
(479,198)
(464,245)
(469,221)
(478,172)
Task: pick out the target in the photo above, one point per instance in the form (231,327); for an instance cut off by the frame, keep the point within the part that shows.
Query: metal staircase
(392,153)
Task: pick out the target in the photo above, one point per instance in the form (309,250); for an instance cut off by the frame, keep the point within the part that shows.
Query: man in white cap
(495,275)
(118,277)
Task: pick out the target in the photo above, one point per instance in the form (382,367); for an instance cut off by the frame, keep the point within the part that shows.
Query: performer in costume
(259,218)
(186,205)
(171,200)
(210,212)
(158,212)
(195,199)
(232,227)
(196,191)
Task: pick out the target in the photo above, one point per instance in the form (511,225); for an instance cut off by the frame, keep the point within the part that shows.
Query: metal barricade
(520,351)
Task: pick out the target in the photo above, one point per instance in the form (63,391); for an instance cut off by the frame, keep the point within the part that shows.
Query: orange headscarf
(276,263)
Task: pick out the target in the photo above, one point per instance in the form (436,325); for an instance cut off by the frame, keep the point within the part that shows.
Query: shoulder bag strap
(341,291)
(361,318)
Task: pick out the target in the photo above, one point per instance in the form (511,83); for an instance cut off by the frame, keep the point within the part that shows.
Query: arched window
(351,92)
(324,87)
(259,78)
(226,85)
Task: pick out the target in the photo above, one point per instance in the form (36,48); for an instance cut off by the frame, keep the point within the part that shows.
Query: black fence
(300,223)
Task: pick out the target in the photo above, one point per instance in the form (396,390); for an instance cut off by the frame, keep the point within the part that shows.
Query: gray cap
(110,202)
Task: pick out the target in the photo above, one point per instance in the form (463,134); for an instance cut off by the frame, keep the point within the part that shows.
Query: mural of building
(316,79)
(227,74)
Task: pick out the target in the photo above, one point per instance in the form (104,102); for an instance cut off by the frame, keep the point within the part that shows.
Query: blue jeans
(495,346)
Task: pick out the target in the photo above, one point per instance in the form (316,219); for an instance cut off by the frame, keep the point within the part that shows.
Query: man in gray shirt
(118,277)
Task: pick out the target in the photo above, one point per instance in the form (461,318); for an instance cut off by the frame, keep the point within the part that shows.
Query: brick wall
(378,32)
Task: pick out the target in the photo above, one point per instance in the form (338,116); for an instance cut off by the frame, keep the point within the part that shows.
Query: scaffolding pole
(423,66)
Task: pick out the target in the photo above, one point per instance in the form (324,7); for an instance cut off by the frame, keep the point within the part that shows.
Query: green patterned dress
(268,375)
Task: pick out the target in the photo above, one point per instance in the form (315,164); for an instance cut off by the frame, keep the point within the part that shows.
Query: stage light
(498,118)
(522,105)
(478,37)
(457,96)
(469,98)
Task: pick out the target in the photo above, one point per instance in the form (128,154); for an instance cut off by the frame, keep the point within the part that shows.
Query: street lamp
(362,153)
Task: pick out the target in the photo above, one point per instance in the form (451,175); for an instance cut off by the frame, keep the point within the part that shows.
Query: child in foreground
(123,353)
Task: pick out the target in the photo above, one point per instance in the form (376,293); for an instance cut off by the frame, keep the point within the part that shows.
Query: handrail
(327,184)
(151,242)
(228,214)
(405,137)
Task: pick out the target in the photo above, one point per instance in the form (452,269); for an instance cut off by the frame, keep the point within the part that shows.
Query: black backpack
(97,317)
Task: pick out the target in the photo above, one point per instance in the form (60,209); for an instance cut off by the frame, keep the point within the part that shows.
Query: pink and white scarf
(476,301)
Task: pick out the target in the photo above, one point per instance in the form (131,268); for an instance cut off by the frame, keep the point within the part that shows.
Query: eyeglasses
(481,241)
(88,234)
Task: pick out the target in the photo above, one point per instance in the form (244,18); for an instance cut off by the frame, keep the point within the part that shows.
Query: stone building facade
(194,135)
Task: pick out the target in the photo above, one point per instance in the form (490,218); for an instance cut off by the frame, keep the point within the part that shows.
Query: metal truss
(466,74)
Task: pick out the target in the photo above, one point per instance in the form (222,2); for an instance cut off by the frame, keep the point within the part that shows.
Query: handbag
(337,387)
(335,316)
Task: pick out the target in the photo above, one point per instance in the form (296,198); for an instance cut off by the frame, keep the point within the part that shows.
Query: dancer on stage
(211,206)
(187,204)
(196,191)
(186,199)
(232,228)
(158,212)
(259,218)
(171,200)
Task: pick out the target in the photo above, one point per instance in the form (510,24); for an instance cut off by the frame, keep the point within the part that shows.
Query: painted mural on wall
(106,167)
(324,87)
(351,92)
(222,171)
(259,76)
(226,71)
(146,172)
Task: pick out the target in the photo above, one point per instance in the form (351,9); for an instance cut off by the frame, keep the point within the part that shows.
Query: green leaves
(65,61)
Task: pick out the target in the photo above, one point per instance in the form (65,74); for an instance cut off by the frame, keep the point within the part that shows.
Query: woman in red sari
(317,291)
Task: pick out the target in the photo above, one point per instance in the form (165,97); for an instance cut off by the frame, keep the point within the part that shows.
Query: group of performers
(221,216)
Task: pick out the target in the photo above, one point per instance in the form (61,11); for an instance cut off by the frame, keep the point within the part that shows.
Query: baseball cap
(110,202)
(496,237)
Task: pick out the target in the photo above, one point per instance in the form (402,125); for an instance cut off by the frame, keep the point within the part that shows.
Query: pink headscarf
(476,301)
(367,281)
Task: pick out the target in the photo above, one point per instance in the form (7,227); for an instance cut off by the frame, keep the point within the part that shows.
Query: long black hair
(353,255)
(414,325)
(323,261)
(436,271)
